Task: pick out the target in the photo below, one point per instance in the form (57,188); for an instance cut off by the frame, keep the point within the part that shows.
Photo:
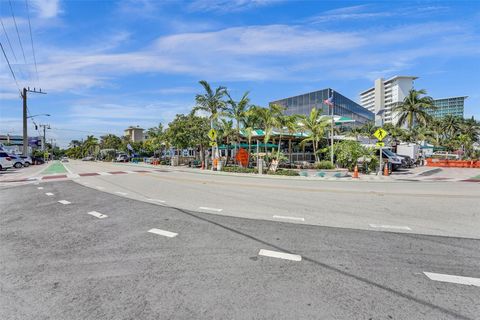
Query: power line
(8,40)
(31,40)
(18,33)
(9,66)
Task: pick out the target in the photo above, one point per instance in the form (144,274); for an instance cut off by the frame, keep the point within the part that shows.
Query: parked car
(64,159)
(89,158)
(17,161)
(122,158)
(5,161)
(27,161)
(37,160)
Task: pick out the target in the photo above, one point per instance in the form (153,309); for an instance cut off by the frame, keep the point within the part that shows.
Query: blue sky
(107,65)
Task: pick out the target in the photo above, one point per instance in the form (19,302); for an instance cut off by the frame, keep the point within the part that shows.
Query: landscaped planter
(453,163)
(324,173)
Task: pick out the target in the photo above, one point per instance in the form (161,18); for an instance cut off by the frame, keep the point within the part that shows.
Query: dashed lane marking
(156,200)
(121,193)
(97,214)
(453,279)
(385,226)
(280,255)
(100,188)
(163,233)
(64,202)
(49,194)
(289,218)
(40,188)
(210,209)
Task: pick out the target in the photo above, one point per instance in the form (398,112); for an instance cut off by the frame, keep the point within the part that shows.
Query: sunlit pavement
(83,254)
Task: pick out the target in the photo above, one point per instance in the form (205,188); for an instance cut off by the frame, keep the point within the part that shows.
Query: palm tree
(212,103)
(368,129)
(90,143)
(227,132)
(451,125)
(291,125)
(315,125)
(237,110)
(267,117)
(250,123)
(414,108)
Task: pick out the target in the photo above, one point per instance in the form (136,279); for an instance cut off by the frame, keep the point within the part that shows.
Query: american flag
(329,101)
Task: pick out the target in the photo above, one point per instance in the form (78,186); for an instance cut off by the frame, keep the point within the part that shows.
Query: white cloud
(224,6)
(47,8)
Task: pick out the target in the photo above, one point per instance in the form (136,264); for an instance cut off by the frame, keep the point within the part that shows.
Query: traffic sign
(212,134)
(380,144)
(380,134)
(213,144)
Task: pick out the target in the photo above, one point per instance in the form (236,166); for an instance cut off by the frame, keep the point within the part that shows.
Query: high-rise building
(303,104)
(448,106)
(384,96)
(134,134)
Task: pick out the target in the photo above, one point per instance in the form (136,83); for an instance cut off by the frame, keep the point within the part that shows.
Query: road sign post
(380,134)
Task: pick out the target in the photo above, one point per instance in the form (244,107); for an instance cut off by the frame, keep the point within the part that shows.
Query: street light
(41,114)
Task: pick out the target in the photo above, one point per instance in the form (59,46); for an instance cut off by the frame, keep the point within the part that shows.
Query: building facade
(384,96)
(303,104)
(448,106)
(134,134)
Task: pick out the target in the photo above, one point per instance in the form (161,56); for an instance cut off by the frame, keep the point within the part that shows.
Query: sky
(107,65)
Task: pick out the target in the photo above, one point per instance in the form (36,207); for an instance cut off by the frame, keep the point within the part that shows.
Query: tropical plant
(110,141)
(315,127)
(348,152)
(237,110)
(89,145)
(414,109)
(227,132)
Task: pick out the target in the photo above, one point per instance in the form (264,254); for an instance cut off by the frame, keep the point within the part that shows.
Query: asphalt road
(59,262)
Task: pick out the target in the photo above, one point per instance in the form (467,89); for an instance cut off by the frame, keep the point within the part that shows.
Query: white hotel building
(384,96)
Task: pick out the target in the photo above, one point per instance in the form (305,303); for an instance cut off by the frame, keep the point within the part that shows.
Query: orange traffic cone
(355,172)
(385,170)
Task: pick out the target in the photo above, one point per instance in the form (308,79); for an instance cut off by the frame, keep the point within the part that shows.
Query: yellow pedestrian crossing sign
(380,134)
(380,144)
(213,144)
(212,134)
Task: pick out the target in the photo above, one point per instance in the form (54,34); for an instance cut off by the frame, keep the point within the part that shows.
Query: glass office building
(303,104)
(448,106)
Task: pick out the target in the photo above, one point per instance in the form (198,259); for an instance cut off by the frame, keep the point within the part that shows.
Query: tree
(155,139)
(267,119)
(188,131)
(89,145)
(237,111)
(250,123)
(227,132)
(212,103)
(414,108)
(110,141)
(315,126)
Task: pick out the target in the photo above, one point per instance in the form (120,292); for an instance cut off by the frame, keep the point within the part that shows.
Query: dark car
(37,160)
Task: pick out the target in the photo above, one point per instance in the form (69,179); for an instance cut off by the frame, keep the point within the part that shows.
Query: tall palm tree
(237,109)
(315,126)
(211,102)
(268,120)
(89,144)
(250,122)
(228,133)
(414,108)
(290,123)
(451,125)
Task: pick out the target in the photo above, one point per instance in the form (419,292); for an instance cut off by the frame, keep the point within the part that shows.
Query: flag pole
(331,134)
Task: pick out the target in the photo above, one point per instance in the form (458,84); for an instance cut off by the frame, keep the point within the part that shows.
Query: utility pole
(45,126)
(25,133)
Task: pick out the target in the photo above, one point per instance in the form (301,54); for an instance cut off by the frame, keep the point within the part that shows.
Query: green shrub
(326,165)
(239,170)
(284,172)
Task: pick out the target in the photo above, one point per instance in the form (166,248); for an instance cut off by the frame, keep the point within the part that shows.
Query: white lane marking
(40,188)
(64,202)
(49,194)
(156,200)
(385,226)
(210,209)
(104,173)
(289,218)
(68,169)
(121,193)
(100,188)
(163,232)
(453,279)
(97,214)
(129,171)
(280,255)
(73,176)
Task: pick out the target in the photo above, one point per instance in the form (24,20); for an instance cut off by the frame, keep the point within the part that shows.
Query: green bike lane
(55,167)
